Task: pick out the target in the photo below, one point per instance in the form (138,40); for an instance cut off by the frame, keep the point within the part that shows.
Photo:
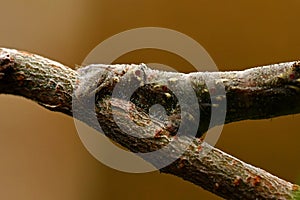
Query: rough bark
(256,93)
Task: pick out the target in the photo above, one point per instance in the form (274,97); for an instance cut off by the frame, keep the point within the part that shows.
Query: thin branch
(256,93)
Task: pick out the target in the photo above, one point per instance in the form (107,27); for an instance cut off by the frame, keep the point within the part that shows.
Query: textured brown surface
(235,34)
(54,85)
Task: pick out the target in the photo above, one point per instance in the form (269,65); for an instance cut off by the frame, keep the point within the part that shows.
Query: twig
(256,93)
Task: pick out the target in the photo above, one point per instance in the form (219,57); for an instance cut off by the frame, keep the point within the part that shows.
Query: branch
(256,93)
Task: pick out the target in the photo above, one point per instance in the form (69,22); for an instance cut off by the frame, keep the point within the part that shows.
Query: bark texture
(256,93)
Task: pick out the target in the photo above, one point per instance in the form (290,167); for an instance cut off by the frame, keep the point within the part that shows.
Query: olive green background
(41,156)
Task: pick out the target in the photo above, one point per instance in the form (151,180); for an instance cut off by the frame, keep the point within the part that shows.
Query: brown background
(41,156)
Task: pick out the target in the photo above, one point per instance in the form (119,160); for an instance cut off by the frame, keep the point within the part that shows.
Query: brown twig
(256,93)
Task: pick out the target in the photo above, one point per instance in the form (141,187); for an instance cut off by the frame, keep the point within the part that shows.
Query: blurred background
(41,155)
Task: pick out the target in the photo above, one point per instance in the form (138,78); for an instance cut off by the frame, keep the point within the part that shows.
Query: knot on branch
(293,78)
(6,64)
